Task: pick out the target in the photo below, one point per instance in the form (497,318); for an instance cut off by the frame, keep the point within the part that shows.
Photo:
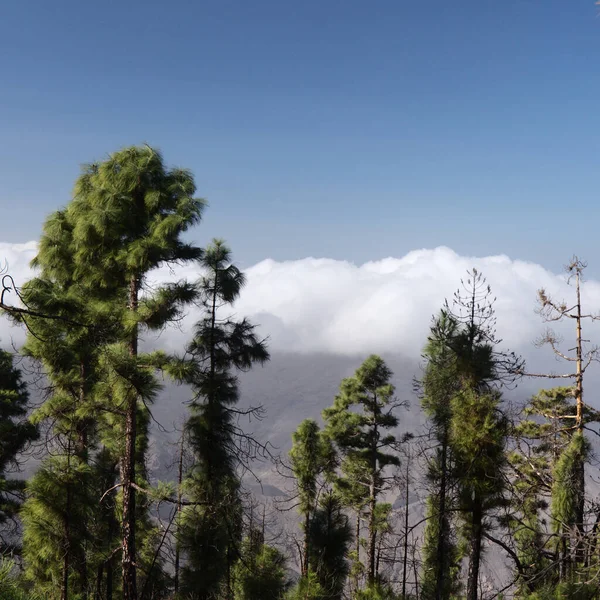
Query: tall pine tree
(125,220)
(359,423)
(310,457)
(478,427)
(211,525)
(16,434)
(437,387)
(330,541)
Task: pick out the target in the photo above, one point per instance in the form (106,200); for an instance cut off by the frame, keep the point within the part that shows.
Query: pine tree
(349,487)
(478,427)
(310,457)
(553,311)
(126,219)
(437,387)
(478,436)
(210,525)
(307,588)
(260,571)
(67,348)
(358,423)
(55,537)
(16,434)
(330,541)
(541,438)
(57,511)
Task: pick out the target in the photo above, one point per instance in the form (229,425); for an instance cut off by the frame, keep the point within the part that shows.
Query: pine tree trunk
(305,558)
(229,579)
(357,535)
(108,564)
(378,559)
(179,507)
(443,533)
(109,580)
(373,495)
(580,466)
(405,558)
(81,451)
(357,546)
(99,577)
(128,472)
(372,532)
(64,590)
(475,551)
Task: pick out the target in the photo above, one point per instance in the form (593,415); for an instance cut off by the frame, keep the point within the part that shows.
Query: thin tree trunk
(229,590)
(64,590)
(179,507)
(414,563)
(475,551)
(562,558)
(128,471)
(109,580)
(379,551)
(99,577)
(405,560)
(372,533)
(306,544)
(357,545)
(373,496)
(357,535)
(82,453)
(443,533)
(580,466)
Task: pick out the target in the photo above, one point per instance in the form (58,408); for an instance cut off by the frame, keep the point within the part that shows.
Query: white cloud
(386,306)
(383,306)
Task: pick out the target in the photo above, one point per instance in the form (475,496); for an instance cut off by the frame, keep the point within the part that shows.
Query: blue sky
(340,128)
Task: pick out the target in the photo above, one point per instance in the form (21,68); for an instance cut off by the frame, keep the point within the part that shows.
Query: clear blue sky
(347,129)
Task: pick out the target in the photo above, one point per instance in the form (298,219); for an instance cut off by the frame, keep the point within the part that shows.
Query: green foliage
(330,540)
(307,588)
(565,590)
(439,384)
(478,435)
(211,525)
(540,440)
(15,434)
(11,586)
(452,553)
(55,516)
(564,489)
(260,571)
(207,531)
(126,218)
(359,424)
(376,592)
(310,456)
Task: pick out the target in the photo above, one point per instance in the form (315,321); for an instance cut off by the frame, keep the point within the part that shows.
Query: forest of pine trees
(497,478)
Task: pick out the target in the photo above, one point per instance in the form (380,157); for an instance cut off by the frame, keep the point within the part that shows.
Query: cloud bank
(332,306)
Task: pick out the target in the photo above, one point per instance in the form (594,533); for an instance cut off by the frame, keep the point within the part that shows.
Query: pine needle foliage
(126,218)
(359,423)
(311,456)
(439,384)
(260,571)
(16,433)
(330,541)
(212,524)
